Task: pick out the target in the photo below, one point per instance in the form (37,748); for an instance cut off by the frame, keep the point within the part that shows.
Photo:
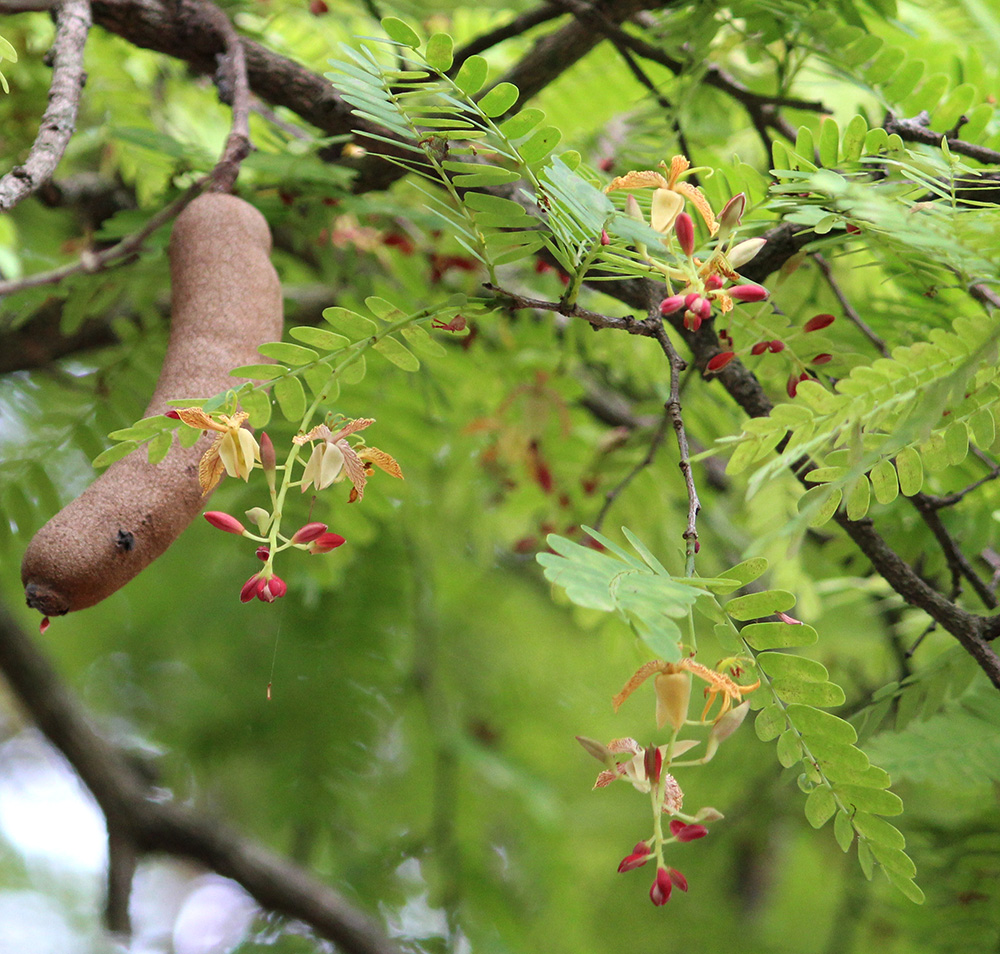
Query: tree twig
(516,27)
(153,825)
(849,311)
(92,262)
(59,119)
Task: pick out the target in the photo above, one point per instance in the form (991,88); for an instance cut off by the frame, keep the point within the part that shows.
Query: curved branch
(135,814)
(59,119)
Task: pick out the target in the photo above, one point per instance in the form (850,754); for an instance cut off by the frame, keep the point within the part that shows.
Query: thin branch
(673,409)
(93,262)
(849,311)
(234,89)
(135,812)
(615,492)
(516,27)
(59,120)
(949,500)
(916,130)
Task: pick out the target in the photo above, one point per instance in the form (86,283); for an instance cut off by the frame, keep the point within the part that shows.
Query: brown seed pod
(226,300)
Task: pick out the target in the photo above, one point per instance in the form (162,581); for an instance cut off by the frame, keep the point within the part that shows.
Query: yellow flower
(233,452)
(718,684)
(669,194)
(333,458)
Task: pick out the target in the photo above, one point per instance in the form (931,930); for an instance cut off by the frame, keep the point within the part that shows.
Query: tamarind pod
(226,300)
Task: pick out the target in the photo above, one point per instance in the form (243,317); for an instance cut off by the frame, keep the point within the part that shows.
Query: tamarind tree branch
(59,119)
(92,262)
(149,825)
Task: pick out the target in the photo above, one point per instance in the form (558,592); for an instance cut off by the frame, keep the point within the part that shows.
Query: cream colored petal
(625,745)
(310,473)
(645,179)
(331,466)
(249,451)
(229,452)
(665,208)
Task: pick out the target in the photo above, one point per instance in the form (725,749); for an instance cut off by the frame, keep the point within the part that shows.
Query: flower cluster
(703,281)
(236,452)
(645,767)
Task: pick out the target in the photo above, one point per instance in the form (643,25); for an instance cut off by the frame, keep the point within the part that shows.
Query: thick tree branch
(59,119)
(152,825)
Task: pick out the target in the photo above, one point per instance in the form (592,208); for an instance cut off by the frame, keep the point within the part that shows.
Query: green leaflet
(616,581)
(288,353)
(756,605)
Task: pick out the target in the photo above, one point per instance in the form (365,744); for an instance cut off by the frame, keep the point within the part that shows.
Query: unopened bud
(262,553)
(260,517)
(822,358)
(692,321)
(267,458)
(684,229)
(326,542)
(597,749)
(605,240)
(775,346)
(714,282)
(719,361)
(744,251)
(632,209)
(818,322)
(748,293)
(309,532)
(760,347)
(669,305)
(731,214)
(708,814)
(223,521)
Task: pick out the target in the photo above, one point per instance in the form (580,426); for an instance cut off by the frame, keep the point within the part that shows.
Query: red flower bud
(719,361)
(683,832)
(222,521)
(640,855)
(659,893)
(272,589)
(793,383)
(705,309)
(678,879)
(250,588)
(263,553)
(605,240)
(775,346)
(684,227)
(326,542)
(172,414)
(760,347)
(692,321)
(817,322)
(748,293)
(669,305)
(822,358)
(309,532)
(267,457)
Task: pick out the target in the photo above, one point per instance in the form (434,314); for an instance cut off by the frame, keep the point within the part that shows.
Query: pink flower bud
(690,299)
(683,832)
(692,321)
(326,542)
(719,361)
(640,855)
(659,893)
(732,213)
(714,282)
(222,521)
(760,347)
(249,590)
(669,305)
(705,309)
(267,458)
(822,358)
(748,293)
(309,532)
(272,588)
(684,227)
(775,346)
(817,322)
(679,881)
(605,240)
